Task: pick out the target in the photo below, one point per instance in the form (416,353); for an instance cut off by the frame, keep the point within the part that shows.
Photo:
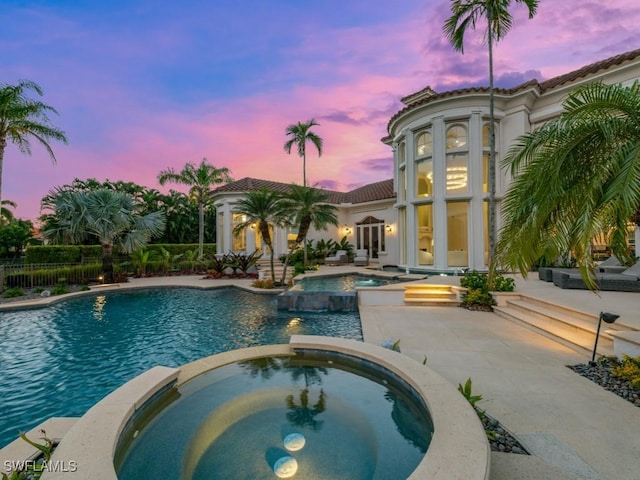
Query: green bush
(475,281)
(628,369)
(502,284)
(478,297)
(60,289)
(14,292)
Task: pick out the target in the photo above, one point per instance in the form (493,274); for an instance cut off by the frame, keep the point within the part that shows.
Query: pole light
(608,318)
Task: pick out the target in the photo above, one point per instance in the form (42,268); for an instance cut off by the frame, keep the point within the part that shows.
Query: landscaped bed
(621,377)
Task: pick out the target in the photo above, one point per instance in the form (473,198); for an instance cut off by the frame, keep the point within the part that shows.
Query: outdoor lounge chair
(362,258)
(340,258)
(626,281)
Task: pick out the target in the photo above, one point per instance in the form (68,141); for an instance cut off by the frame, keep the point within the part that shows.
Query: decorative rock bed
(600,373)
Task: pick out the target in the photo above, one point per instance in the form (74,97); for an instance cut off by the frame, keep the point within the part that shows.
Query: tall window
(239,238)
(425,234)
(457,159)
(457,234)
(425,178)
(402,229)
(424,164)
(402,184)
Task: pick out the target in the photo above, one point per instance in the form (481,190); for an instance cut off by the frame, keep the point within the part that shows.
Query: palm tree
(465,14)
(307,207)
(200,179)
(22,119)
(6,215)
(574,178)
(109,216)
(264,208)
(300,133)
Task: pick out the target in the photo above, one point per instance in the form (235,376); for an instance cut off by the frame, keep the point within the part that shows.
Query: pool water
(340,283)
(355,422)
(60,360)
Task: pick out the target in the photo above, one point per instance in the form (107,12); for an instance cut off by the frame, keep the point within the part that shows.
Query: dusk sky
(143,85)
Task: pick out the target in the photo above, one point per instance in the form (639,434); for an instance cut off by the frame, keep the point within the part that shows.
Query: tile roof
(425,96)
(368,193)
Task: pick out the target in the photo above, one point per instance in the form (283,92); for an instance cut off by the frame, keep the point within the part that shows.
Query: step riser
(559,323)
(580,341)
(560,309)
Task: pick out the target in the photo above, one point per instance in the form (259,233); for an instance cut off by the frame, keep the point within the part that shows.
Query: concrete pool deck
(574,428)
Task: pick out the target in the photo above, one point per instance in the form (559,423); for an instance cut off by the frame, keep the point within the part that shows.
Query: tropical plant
(140,259)
(245,261)
(265,209)
(200,179)
(108,216)
(573,179)
(468,394)
(299,134)
(22,118)
(305,208)
(466,14)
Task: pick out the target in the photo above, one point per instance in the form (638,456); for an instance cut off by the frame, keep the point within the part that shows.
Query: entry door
(370,237)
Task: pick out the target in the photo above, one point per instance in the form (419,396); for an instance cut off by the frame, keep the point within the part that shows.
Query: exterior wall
(516,114)
(348,218)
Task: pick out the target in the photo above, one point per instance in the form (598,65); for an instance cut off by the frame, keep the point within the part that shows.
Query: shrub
(59,289)
(14,292)
(475,281)
(628,369)
(266,284)
(502,284)
(478,297)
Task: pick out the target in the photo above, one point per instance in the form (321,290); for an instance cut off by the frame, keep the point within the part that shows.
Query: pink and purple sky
(142,85)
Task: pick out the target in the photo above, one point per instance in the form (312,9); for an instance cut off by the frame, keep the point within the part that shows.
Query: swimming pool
(60,360)
(341,283)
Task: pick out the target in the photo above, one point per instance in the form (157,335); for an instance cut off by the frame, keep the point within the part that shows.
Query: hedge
(92,253)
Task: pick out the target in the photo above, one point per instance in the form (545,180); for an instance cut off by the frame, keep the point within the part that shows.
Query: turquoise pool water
(60,360)
(349,418)
(340,283)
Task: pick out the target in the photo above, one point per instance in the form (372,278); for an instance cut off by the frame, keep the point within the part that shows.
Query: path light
(608,318)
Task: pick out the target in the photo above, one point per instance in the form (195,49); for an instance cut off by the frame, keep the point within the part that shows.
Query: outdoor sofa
(626,281)
(610,265)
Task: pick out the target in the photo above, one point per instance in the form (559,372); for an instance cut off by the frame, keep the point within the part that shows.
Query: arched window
(456,137)
(424,144)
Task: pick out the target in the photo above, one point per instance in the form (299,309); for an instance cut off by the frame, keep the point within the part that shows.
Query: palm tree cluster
(302,208)
(574,178)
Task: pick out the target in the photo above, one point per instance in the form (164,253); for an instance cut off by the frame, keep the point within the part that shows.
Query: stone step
(575,333)
(431,295)
(432,302)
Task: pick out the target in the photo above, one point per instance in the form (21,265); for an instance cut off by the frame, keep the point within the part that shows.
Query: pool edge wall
(458,450)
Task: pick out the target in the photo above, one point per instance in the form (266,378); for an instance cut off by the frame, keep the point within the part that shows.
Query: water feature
(60,360)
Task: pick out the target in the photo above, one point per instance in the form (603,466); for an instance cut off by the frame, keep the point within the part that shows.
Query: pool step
(432,295)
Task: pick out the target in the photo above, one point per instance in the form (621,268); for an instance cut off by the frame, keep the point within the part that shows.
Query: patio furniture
(626,281)
(362,258)
(340,258)
(610,265)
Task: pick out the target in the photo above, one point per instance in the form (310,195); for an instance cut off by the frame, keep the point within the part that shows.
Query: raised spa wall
(300,301)
(458,450)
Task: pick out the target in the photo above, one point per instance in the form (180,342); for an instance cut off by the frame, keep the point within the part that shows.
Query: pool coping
(458,450)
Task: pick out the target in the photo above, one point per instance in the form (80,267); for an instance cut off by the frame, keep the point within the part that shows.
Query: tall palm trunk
(107,263)
(3,146)
(200,229)
(305,224)
(266,238)
(492,227)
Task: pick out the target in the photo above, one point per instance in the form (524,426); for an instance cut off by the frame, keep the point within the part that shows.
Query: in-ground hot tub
(319,407)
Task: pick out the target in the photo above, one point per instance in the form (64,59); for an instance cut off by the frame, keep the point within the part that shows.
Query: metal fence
(46,275)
